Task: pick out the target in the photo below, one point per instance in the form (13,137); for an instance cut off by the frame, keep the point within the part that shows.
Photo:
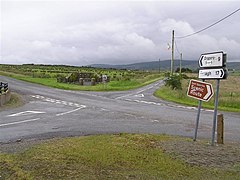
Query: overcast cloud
(87,32)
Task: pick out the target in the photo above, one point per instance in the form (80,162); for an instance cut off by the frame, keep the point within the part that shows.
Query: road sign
(211,74)
(209,60)
(200,90)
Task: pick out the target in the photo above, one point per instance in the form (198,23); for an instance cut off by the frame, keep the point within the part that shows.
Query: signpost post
(212,67)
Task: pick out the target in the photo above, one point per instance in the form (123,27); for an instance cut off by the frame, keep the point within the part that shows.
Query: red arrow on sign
(200,90)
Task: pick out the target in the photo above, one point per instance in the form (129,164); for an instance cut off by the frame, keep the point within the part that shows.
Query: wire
(177,47)
(180,37)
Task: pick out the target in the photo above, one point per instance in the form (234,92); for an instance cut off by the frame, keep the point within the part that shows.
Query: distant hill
(153,65)
(164,65)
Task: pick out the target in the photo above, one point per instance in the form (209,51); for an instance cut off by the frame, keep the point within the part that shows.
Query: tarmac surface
(50,112)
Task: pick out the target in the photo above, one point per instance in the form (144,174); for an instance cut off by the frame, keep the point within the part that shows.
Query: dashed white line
(19,122)
(70,104)
(169,105)
(56,101)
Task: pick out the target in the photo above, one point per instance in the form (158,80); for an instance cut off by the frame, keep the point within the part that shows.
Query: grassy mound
(122,156)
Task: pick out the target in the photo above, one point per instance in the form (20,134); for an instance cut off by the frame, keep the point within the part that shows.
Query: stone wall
(5,97)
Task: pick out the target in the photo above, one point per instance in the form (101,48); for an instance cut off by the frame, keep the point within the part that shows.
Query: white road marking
(144,90)
(19,122)
(49,100)
(139,95)
(123,96)
(61,114)
(150,87)
(102,109)
(56,101)
(25,113)
(169,105)
(70,104)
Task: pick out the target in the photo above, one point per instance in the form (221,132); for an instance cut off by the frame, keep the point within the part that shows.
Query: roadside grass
(229,94)
(121,156)
(111,86)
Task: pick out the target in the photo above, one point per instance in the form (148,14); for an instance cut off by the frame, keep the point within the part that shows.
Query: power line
(177,48)
(180,37)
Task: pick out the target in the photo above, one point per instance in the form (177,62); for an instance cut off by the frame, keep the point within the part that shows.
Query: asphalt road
(50,112)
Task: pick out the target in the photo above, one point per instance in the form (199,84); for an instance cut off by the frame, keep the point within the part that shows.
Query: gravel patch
(202,153)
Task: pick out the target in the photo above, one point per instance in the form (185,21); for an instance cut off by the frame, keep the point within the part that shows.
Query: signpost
(200,90)
(212,66)
(211,74)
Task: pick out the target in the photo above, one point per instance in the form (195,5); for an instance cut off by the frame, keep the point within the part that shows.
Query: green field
(229,94)
(47,75)
(121,156)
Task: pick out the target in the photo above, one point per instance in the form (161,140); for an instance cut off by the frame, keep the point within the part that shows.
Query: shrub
(173,81)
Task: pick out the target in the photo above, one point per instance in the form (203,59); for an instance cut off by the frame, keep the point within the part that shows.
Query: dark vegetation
(53,71)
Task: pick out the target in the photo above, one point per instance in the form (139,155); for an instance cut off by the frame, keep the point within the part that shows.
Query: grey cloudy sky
(115,32)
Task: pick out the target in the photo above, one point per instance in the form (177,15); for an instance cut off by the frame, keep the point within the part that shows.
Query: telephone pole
(159,65)
(180,63)
(172,61)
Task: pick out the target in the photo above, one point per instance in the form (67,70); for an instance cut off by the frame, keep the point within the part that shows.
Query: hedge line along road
(50,112)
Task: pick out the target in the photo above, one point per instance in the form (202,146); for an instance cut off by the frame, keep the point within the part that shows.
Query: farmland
(47,75)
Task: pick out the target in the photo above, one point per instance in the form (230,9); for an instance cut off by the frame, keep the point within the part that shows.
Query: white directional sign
(211,74)
(211,60)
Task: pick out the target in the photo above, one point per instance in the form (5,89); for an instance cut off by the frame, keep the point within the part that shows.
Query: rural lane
(50,112)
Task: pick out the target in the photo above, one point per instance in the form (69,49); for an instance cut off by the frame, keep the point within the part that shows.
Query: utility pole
(172,61)
(180,63)
(159,65)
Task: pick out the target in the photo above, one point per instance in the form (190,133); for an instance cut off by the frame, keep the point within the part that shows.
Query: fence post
(220,128)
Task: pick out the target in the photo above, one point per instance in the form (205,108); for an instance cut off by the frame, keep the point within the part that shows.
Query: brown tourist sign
(200,90)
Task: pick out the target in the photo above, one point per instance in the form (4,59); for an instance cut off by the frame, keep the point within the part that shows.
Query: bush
(186,70)
(184,76)
(173,81)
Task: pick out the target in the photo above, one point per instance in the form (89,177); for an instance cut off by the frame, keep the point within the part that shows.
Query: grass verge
(111,86)
(122,156)
(229,95)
